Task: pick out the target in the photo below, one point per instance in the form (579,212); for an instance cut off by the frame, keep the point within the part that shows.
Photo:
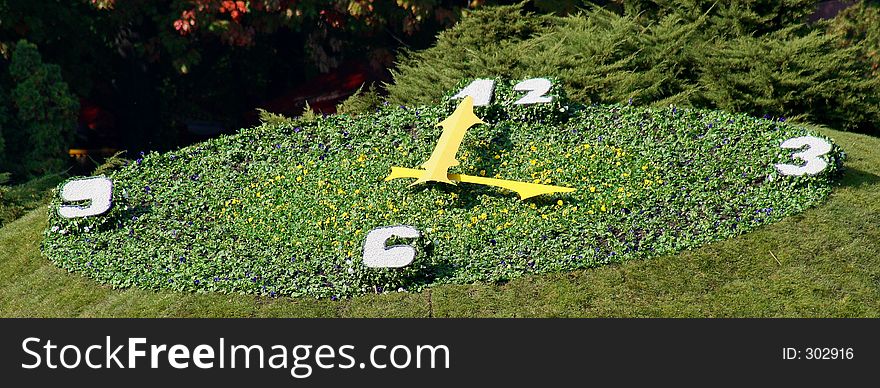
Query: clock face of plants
(503,180)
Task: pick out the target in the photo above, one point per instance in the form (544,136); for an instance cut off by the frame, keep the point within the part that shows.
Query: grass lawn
(824,262)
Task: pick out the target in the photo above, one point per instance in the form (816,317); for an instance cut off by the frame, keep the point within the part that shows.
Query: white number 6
(815,147)
(377,255)
(98,190)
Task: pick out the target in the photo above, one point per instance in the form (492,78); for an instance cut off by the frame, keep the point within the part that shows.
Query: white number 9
(815,147)
(377,255)
(98,191)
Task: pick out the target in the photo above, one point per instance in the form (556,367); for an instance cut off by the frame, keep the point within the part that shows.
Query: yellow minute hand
(443,157)
(524,189)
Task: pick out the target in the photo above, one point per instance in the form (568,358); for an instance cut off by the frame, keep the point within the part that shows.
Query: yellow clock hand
(524,189)
(443,156)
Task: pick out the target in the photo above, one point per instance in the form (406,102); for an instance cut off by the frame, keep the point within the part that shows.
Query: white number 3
(98,191)
(814,147)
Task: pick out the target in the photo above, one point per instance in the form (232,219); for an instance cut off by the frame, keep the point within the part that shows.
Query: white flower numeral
(98,191)
(814,147)
(536,88)
(377,255)
(481,91)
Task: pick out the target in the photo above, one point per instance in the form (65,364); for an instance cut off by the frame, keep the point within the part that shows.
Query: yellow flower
(592,189)
(483,216)
(603,208)
(559,202)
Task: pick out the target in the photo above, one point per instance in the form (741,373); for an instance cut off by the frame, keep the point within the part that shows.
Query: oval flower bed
(284,208)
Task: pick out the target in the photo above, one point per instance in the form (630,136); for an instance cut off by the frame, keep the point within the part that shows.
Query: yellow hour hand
(454,128)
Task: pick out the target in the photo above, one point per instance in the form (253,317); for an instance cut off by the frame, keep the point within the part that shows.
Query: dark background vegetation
(98,76)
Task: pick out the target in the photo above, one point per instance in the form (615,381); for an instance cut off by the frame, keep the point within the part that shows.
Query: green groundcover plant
(284,208)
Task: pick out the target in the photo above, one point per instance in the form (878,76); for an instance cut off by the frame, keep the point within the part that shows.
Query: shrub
(728,18)
(859,25)
(783,74)
(2,141)
(360,102)
(792,70)
(284,208)
(4,119)
(17,200)
(45,115)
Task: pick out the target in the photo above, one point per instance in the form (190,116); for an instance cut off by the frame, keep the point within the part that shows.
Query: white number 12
(481,91)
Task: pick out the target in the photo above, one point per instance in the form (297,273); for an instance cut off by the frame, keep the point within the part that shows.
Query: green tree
(3,120)
(601,56)
(785,74)
(726,18)
(45,114)
(860,24)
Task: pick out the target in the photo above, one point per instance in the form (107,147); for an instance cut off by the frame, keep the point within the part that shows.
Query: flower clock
(500,180)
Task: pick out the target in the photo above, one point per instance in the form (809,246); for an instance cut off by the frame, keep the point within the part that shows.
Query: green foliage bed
(283,208)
